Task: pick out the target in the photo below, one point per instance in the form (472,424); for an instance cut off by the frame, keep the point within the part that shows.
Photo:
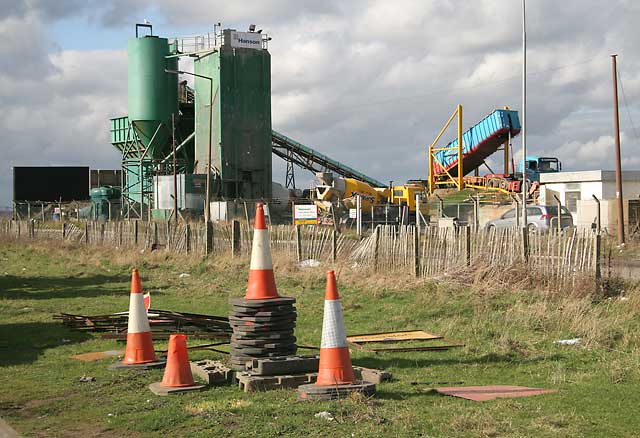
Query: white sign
(353,213)
(246,40)
(305,214)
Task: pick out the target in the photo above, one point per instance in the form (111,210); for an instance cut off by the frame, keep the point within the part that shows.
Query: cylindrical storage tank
(153,93)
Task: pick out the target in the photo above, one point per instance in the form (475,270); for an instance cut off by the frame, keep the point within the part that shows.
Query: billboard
(51,183)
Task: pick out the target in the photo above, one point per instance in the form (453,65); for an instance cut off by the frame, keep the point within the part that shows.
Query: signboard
(306,214)
(50,183)
(353,213)
(246,40)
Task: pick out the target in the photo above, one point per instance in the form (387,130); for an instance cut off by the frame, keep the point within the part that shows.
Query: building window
(571,201)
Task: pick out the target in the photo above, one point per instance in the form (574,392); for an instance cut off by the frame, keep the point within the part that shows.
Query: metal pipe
(598,223)
(616,129)
(559,214)
(207,206)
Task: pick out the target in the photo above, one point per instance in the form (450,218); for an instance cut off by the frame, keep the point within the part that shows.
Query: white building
(576,190)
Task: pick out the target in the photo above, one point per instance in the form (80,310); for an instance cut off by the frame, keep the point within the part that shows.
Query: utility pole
(524,116)
(616,131)
(525,231)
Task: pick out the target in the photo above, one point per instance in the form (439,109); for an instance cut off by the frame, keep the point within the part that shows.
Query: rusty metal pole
(616,129)
(175,176)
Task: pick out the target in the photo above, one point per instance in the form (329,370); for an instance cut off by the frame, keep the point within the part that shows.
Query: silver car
(539,218)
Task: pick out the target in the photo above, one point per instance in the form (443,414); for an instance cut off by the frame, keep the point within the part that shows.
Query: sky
(369,83)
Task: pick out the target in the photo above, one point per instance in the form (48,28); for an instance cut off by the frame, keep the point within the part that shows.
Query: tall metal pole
(616,128)
(524,115)
(175,177)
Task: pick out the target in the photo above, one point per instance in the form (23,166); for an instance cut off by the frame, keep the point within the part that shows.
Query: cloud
(369,83)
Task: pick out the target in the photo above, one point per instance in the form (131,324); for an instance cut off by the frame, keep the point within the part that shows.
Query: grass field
(509,335)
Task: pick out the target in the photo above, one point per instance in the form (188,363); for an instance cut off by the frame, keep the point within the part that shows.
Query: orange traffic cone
(178,371)
(177,375)
(262,283)
(335,363)
(335,372)
(139,352)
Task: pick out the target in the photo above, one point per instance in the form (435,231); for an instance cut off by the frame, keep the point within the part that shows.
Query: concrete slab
(249,382)
(484,393)
(7,431)
(98,355)
(158,389)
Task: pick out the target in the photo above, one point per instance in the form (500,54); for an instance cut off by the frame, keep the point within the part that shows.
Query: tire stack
(261,329)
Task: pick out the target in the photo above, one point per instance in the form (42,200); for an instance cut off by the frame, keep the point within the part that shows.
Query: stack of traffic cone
(263,322)
(139,352)
(335,372)
(177,375)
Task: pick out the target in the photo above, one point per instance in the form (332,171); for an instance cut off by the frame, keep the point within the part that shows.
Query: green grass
(508,335)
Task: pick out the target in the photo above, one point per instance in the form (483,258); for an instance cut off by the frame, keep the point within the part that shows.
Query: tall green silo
(152,97)
(153,93)
(240,116)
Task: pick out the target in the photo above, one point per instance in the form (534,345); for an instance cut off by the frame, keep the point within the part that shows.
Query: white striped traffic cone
(139,343)
(335,363)
(262,283)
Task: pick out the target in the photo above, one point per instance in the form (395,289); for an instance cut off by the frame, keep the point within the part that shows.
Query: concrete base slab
(312,392)
(140,366)
(158,389)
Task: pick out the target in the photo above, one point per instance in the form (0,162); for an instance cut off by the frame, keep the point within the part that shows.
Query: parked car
(539,218)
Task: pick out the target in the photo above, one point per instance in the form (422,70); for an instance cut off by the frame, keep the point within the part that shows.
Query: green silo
(153,93)
(240,116)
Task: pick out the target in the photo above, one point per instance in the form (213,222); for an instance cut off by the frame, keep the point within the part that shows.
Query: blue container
(479,141)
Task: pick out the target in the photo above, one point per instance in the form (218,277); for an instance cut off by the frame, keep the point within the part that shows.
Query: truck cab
(538,165)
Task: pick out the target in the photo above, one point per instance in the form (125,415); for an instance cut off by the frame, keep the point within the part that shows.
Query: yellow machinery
(342,192)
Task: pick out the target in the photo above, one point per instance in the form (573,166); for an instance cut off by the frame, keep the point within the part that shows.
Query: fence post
(375,249)
(596,257)
(86,232)
(29,210)
(208,238)
(135,232)
(334,245)
(64,230)
(236,239)
(102,233)
(525,244)
(467,244)
(416,248)
(120,237)
(155,234)
(187,238)
(33,229)
(298,243)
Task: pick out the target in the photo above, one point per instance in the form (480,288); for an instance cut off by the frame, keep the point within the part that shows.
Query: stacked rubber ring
(262,328)
(263,322)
